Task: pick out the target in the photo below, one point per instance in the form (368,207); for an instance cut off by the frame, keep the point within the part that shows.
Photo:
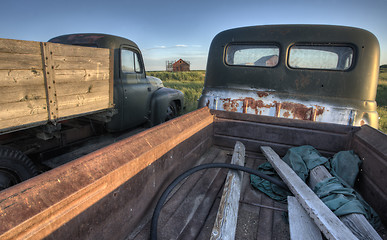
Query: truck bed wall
(279,133)
(371,146)
(41,82)
(109,193)
(106,194)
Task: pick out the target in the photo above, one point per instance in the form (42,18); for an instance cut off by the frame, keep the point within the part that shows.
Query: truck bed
(112,192)
(191,210)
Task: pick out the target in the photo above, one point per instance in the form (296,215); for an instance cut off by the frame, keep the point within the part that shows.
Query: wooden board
(329,224)
(41,82)
(227,216)
(300,224)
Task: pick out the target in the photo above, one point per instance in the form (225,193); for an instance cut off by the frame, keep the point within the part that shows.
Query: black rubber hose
(163,198)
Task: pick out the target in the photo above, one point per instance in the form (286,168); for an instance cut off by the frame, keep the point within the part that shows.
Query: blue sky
(168,30)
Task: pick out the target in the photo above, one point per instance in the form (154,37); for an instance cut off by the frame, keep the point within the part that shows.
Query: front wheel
(171,111)
(15,167)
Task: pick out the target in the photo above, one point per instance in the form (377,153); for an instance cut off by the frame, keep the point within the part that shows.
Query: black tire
(15,167)
(171,111)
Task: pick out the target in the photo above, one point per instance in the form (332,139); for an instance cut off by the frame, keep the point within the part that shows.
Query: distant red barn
(181,65)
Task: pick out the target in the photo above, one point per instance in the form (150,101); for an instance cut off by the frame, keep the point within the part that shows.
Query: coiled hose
(163,198)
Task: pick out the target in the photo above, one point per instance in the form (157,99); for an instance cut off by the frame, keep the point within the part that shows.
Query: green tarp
(336,192)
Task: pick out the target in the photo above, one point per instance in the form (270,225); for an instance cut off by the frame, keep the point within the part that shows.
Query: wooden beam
(226,219)
(329,224)
(356,222)
(300,224)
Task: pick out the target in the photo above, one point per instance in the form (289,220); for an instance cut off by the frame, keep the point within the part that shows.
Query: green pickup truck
(308,72)
(59,94)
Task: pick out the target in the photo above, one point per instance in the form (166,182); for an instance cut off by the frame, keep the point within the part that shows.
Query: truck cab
(137,98)
(309,72)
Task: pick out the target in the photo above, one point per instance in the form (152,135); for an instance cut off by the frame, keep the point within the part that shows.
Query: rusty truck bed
(111,193)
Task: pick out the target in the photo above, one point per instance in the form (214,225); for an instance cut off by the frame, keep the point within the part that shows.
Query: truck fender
(161,100)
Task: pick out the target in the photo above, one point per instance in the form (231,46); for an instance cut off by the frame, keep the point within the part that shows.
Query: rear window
(320,57)
(252,55)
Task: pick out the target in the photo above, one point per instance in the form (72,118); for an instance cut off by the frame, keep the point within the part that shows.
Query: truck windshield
(321,57)
(252,55)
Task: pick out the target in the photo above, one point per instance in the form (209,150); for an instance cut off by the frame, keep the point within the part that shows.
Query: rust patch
(300,111)
(256,104)
(362,122)
(208,103)
(262,94)
(230,105)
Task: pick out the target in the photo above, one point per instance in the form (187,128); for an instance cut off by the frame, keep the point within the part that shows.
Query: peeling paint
(276,105)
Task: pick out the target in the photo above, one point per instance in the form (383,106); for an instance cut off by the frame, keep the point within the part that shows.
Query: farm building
(178,66)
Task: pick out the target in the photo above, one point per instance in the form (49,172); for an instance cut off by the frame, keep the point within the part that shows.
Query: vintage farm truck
(55,95)
(308,72)
(171,181)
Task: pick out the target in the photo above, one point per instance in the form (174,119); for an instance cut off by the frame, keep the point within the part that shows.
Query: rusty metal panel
(36,208)
(271,103)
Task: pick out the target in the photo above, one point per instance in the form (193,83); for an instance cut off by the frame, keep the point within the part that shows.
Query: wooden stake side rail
(329,224)
(41,82)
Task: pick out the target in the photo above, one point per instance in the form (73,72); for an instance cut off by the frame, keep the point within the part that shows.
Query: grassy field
(381,99)
(191,84)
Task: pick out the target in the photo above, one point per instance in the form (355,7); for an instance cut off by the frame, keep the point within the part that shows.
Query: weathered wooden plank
(24,108)
(67,89)
(329,224)
(22,120)
(87,99)
(183,213)
(12,61)
(86,75)
(265,220)
(19,46)
(82,110)
(300,224)
(22,93)
(357,223)
(11,78)
(226,219)
(272,133)
(79,63)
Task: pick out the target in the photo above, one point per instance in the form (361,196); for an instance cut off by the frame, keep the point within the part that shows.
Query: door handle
(149,89)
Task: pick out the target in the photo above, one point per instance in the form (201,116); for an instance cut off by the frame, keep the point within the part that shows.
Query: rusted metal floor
(191,210)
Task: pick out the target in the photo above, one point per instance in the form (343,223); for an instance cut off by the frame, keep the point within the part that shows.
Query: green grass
(381,99)
(191,84)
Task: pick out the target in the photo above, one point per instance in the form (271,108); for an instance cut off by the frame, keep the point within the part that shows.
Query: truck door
(135,87)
